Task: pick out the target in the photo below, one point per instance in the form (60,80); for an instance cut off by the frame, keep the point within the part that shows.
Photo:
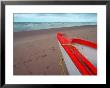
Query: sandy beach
(37,52)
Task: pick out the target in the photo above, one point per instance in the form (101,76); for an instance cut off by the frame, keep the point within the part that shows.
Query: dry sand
(37,52)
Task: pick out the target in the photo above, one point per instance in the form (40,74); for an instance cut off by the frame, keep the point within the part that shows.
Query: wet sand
(37,52)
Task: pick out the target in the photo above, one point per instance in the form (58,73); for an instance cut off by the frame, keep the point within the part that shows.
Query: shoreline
(55,28)
(51,30)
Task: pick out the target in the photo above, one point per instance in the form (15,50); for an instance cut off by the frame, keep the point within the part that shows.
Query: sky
(55,17)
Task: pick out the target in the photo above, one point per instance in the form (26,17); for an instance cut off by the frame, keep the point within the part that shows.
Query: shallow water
(27,26)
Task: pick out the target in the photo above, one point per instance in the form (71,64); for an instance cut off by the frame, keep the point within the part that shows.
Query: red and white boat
(80,55)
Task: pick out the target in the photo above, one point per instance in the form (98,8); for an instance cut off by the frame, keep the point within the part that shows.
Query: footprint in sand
(30,72)
(27,61)
(24,62)
(44,55)
(47,67)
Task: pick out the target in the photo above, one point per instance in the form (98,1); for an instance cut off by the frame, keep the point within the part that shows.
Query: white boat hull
(80,56)
(72,69)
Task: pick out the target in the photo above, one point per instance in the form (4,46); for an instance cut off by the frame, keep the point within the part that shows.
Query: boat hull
(80,56)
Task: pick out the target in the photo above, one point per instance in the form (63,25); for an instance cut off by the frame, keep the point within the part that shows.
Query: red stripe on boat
(85,67)
(84,42)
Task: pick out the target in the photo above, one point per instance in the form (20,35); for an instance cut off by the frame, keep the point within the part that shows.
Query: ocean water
(27,26)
